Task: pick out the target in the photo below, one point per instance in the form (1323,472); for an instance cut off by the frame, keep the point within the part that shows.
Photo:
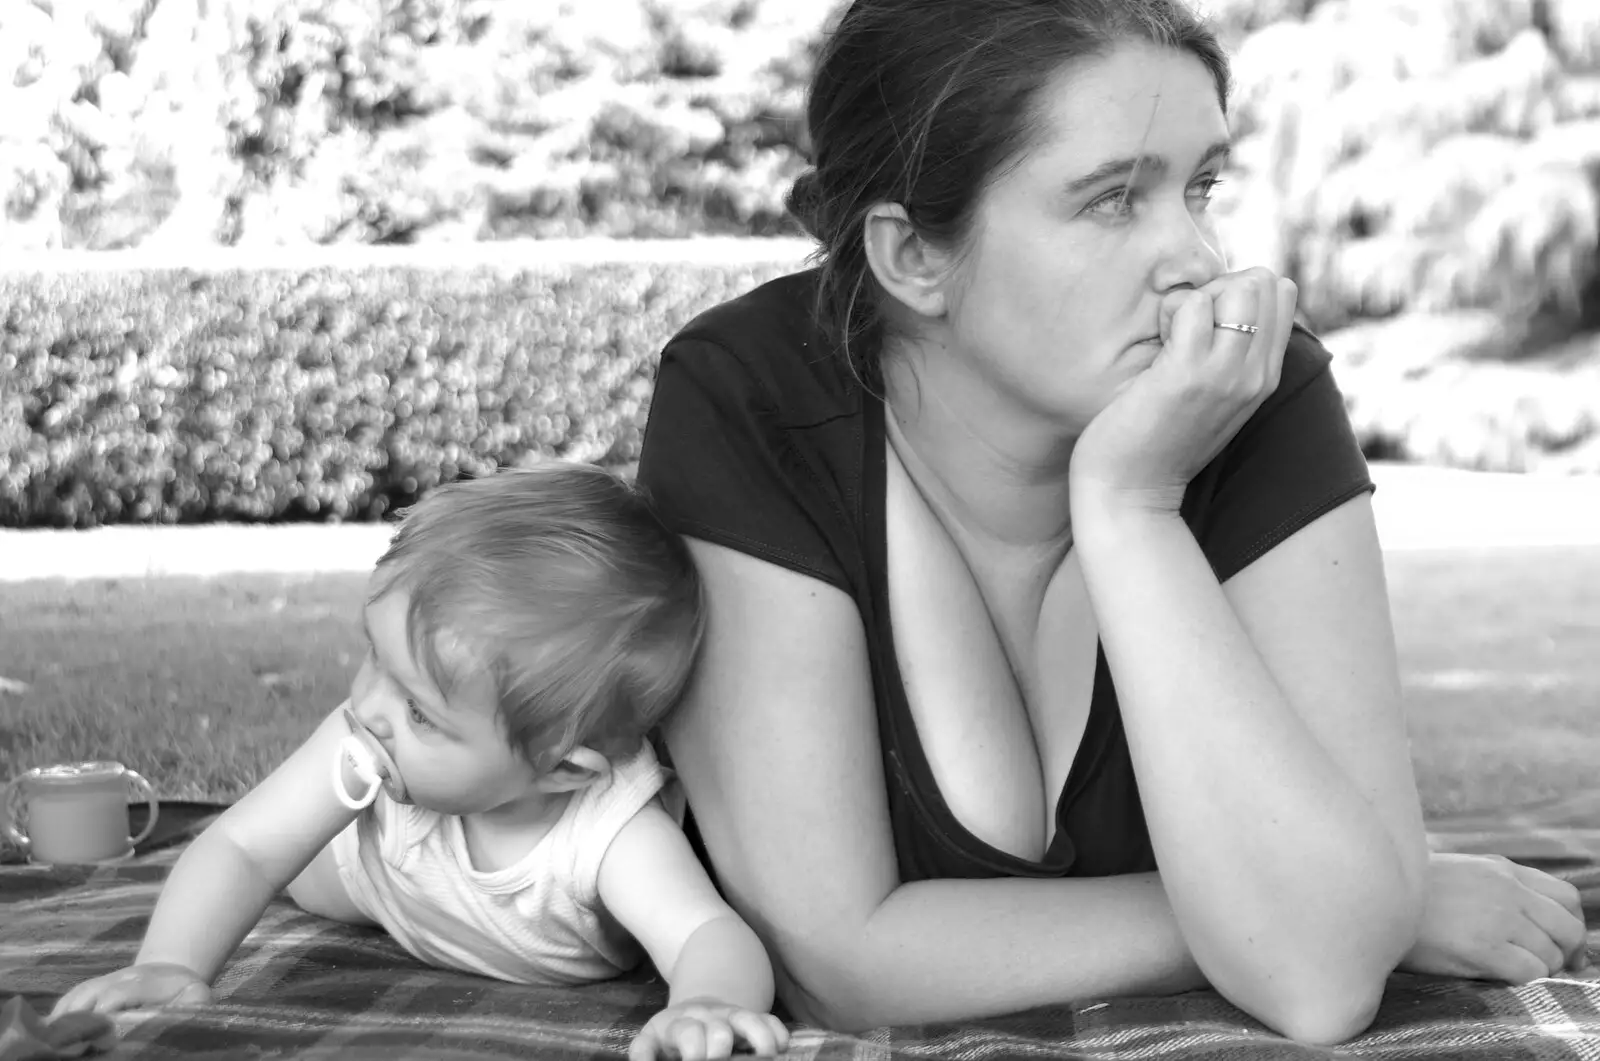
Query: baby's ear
(580,768)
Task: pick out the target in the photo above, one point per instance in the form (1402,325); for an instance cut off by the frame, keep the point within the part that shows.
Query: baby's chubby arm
(718,972)
(223,883)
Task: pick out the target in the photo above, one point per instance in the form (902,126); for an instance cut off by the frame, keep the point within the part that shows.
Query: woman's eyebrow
(1125,167)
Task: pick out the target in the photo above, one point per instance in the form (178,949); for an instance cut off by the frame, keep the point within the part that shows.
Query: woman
(1040,553)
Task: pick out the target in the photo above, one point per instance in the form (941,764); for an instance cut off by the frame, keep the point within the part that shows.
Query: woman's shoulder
(778,310)
(1296,458)
(754,438)
(1306,389)
(1305,361)
(766,343)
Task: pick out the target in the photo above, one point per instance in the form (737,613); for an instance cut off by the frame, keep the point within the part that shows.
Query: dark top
(761,440)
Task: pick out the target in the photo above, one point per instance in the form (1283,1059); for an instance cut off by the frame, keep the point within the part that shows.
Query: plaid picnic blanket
(305,988)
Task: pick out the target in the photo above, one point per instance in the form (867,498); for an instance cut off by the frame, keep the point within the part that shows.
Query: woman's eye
(417,717)
(1120,203)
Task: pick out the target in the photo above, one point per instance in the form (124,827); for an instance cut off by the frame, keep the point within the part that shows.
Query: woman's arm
(777,746)
(1264,720)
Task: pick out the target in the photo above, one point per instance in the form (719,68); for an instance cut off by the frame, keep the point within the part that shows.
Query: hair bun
(805,204)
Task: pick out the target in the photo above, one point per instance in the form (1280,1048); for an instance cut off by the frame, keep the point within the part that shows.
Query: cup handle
(150,801)
(13,799)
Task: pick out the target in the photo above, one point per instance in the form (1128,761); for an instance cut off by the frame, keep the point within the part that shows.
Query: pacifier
(371,764)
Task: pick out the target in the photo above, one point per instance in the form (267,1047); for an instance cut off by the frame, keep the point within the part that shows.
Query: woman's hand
(143,986)
(1487,918)
(1170,420)
(707,1030)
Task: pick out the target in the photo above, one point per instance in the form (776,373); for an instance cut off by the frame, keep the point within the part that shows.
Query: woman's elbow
(1340,996)
(1331,1000)
(826,1005)
(835,1014)
(825,994)
(1334,1001)
(1330,1020)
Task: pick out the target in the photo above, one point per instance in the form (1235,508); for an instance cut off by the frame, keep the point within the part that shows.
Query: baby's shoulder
(600,812)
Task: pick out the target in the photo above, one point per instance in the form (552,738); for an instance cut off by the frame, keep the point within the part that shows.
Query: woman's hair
(923,102)
(561,584)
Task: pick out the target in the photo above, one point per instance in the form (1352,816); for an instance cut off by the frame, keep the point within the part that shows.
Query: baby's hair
(561,584)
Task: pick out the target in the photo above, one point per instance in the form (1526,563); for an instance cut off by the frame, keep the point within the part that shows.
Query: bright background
(1425,170)
(1428,171)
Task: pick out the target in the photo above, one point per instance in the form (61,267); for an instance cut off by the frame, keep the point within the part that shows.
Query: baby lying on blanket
(494,803)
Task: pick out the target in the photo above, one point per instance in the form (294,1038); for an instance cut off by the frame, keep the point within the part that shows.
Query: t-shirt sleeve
(718,465)
(1296,459)
(599,815)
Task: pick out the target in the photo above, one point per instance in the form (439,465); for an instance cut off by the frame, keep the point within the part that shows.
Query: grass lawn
(204,684)
(1500,658)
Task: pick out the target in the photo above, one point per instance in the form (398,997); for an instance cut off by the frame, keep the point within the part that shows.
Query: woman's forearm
(942,950)
(1285,879)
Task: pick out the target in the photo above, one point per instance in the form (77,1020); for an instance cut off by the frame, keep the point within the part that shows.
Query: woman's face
(1057,303)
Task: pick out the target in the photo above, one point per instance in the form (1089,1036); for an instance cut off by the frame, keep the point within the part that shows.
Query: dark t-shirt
(761,440)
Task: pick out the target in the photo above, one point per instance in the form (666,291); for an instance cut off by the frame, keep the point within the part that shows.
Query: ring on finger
(1248,329)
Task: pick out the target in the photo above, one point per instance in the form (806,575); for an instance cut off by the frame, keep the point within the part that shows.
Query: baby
(494,802)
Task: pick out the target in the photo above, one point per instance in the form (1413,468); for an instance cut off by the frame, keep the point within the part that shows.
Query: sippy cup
(75,812)
(373,767)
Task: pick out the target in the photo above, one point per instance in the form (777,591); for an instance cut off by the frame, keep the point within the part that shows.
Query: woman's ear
(580,768)
(909,268)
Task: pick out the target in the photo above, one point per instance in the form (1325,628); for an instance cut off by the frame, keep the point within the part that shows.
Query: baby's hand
(136,987)
(704,1029)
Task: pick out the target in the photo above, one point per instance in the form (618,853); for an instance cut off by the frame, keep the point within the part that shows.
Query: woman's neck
(989,466)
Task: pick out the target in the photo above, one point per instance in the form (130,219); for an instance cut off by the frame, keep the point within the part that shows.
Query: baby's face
(451,753)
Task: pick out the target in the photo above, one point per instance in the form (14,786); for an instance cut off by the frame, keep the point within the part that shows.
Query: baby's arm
(223,883)
(719,976)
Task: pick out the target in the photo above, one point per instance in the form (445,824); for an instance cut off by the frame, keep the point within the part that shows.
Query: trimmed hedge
(182,397)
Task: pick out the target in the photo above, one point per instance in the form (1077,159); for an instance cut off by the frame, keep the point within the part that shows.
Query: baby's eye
(1204,187)
(417,717)
(1114,204)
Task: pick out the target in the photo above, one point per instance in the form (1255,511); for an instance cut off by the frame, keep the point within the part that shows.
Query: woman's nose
(1192,257)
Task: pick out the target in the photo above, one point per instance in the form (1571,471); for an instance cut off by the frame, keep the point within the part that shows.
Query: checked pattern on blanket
(303,987)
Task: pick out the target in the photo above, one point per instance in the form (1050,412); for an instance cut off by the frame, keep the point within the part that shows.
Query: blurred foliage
(1466,128)
(376,121)
(1427,171)
(180,396)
